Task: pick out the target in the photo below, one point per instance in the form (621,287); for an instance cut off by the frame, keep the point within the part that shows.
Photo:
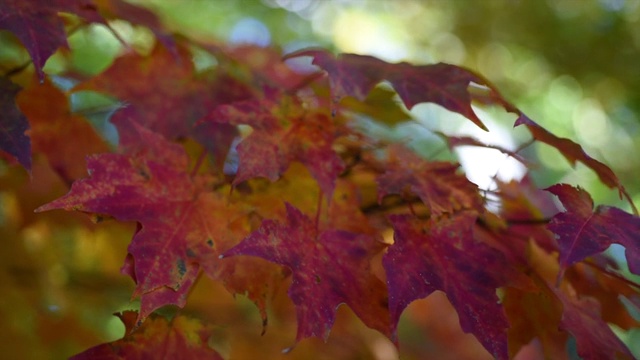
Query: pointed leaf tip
(329,268)
(356,75)
(583,231)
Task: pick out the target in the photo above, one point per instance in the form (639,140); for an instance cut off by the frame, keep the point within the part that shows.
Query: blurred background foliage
(571,65)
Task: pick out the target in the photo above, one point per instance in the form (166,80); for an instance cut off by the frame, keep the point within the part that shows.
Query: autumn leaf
(594,338)
(38,26)
(573,153)
(535,315)
(262,65)
(609,288)
(178,338)
(168,96)
(580,316)
(526,209)
(208,153)
(151,187)
(329,267)
(437,183)
(430,255)
(356,75)
(13,125)
(282,132)
(582,231)
(177,234)
(53,124)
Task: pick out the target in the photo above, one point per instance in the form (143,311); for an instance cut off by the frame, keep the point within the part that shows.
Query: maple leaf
(609,289)
(53,124)
(560,308)
(37,24)
(535,314)
(177,233)
(594,338)
(526,210)
(168,96)
(282,132)
(151,187)
(582,231)
(179,338)
(573,152)
(442,255)
(355,75)
(264,65)
(329,268)
(437,183)
(13,125)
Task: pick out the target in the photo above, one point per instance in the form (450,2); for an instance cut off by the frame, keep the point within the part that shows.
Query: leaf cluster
(259,158)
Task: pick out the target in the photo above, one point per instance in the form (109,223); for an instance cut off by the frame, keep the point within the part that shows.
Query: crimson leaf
(179,338)
(356,75)
(443,255)
(573,152)
(169,96)
(37,24)
(437,183)
(582,231)
(282,132)
(329,268)
(594,338)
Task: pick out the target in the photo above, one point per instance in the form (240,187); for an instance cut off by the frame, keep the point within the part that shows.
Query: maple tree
(253,174)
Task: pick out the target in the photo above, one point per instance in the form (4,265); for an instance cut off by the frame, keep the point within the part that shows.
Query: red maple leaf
(534,316)
(594,338)
(582,231)
(437,183)
(329,268)
(177,233)
(430,255)
(149,186)
(53,124)
(355,75)
(13,125)
(613,292)
(573,152)
(38,26)
(264,64)
(168,96)
(526,210)
(282,132)
(179,338)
